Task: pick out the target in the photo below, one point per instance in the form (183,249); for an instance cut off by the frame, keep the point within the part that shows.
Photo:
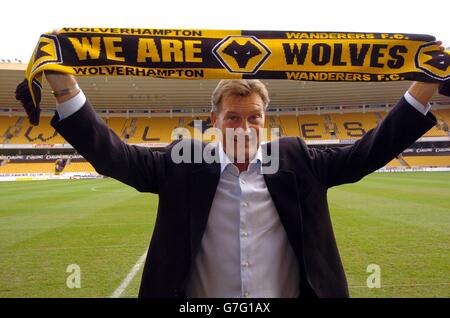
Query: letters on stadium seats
(40,136)
(145,135)
(354,129)
(308,132)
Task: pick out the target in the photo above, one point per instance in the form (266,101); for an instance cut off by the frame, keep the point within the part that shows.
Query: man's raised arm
(78,123)
(404,124)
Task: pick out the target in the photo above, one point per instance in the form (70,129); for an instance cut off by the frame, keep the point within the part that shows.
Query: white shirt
(244,251)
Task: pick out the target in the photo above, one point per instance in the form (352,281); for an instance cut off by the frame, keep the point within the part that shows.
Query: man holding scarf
(227,229)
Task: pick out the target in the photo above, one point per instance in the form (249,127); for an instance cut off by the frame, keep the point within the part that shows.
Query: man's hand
(423,92)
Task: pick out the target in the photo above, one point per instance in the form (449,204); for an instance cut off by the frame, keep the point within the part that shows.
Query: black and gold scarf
(220,54)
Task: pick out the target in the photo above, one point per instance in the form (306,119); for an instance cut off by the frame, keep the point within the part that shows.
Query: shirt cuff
(416,104)
(71,106)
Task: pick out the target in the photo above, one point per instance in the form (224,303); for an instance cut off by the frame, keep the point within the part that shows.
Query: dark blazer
(298,189)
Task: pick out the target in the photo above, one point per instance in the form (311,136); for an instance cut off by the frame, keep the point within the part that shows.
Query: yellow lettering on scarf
(147,49)
(190,51)
(86,46)
(112,50)
(172,48)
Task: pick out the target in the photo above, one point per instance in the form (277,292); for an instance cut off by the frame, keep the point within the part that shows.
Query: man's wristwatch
(65,91)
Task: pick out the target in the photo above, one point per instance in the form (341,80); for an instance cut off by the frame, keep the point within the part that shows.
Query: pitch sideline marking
(129,277)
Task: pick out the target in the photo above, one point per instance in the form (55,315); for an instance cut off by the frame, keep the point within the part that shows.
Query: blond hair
(241,87)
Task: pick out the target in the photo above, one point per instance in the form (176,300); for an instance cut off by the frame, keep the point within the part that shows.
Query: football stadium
(60,218)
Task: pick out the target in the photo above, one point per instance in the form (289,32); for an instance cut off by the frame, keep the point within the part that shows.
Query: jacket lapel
(202,187)
(282,187)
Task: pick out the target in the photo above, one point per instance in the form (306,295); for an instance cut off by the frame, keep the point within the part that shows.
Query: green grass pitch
(399,221)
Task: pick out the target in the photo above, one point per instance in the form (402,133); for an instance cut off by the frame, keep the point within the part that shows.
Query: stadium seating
(394,163)
(17,130)
(46,167)
(289,126)
(444,114)
(79,167)
(353,125)
(19,168)
(313,127)
(428,161)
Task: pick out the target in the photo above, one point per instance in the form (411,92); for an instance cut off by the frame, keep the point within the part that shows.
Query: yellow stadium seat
(428,161)
(79,167)
(25,133)
(394,163)
(353,125)
(313,127)
(17,168)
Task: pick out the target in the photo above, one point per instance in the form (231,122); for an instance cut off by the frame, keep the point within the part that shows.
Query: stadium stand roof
(145,93)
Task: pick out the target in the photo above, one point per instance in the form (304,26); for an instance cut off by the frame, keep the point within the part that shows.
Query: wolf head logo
(242,53)
(439,59)
(432,61)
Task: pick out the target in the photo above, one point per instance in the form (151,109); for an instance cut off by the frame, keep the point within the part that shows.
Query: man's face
(240,114)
